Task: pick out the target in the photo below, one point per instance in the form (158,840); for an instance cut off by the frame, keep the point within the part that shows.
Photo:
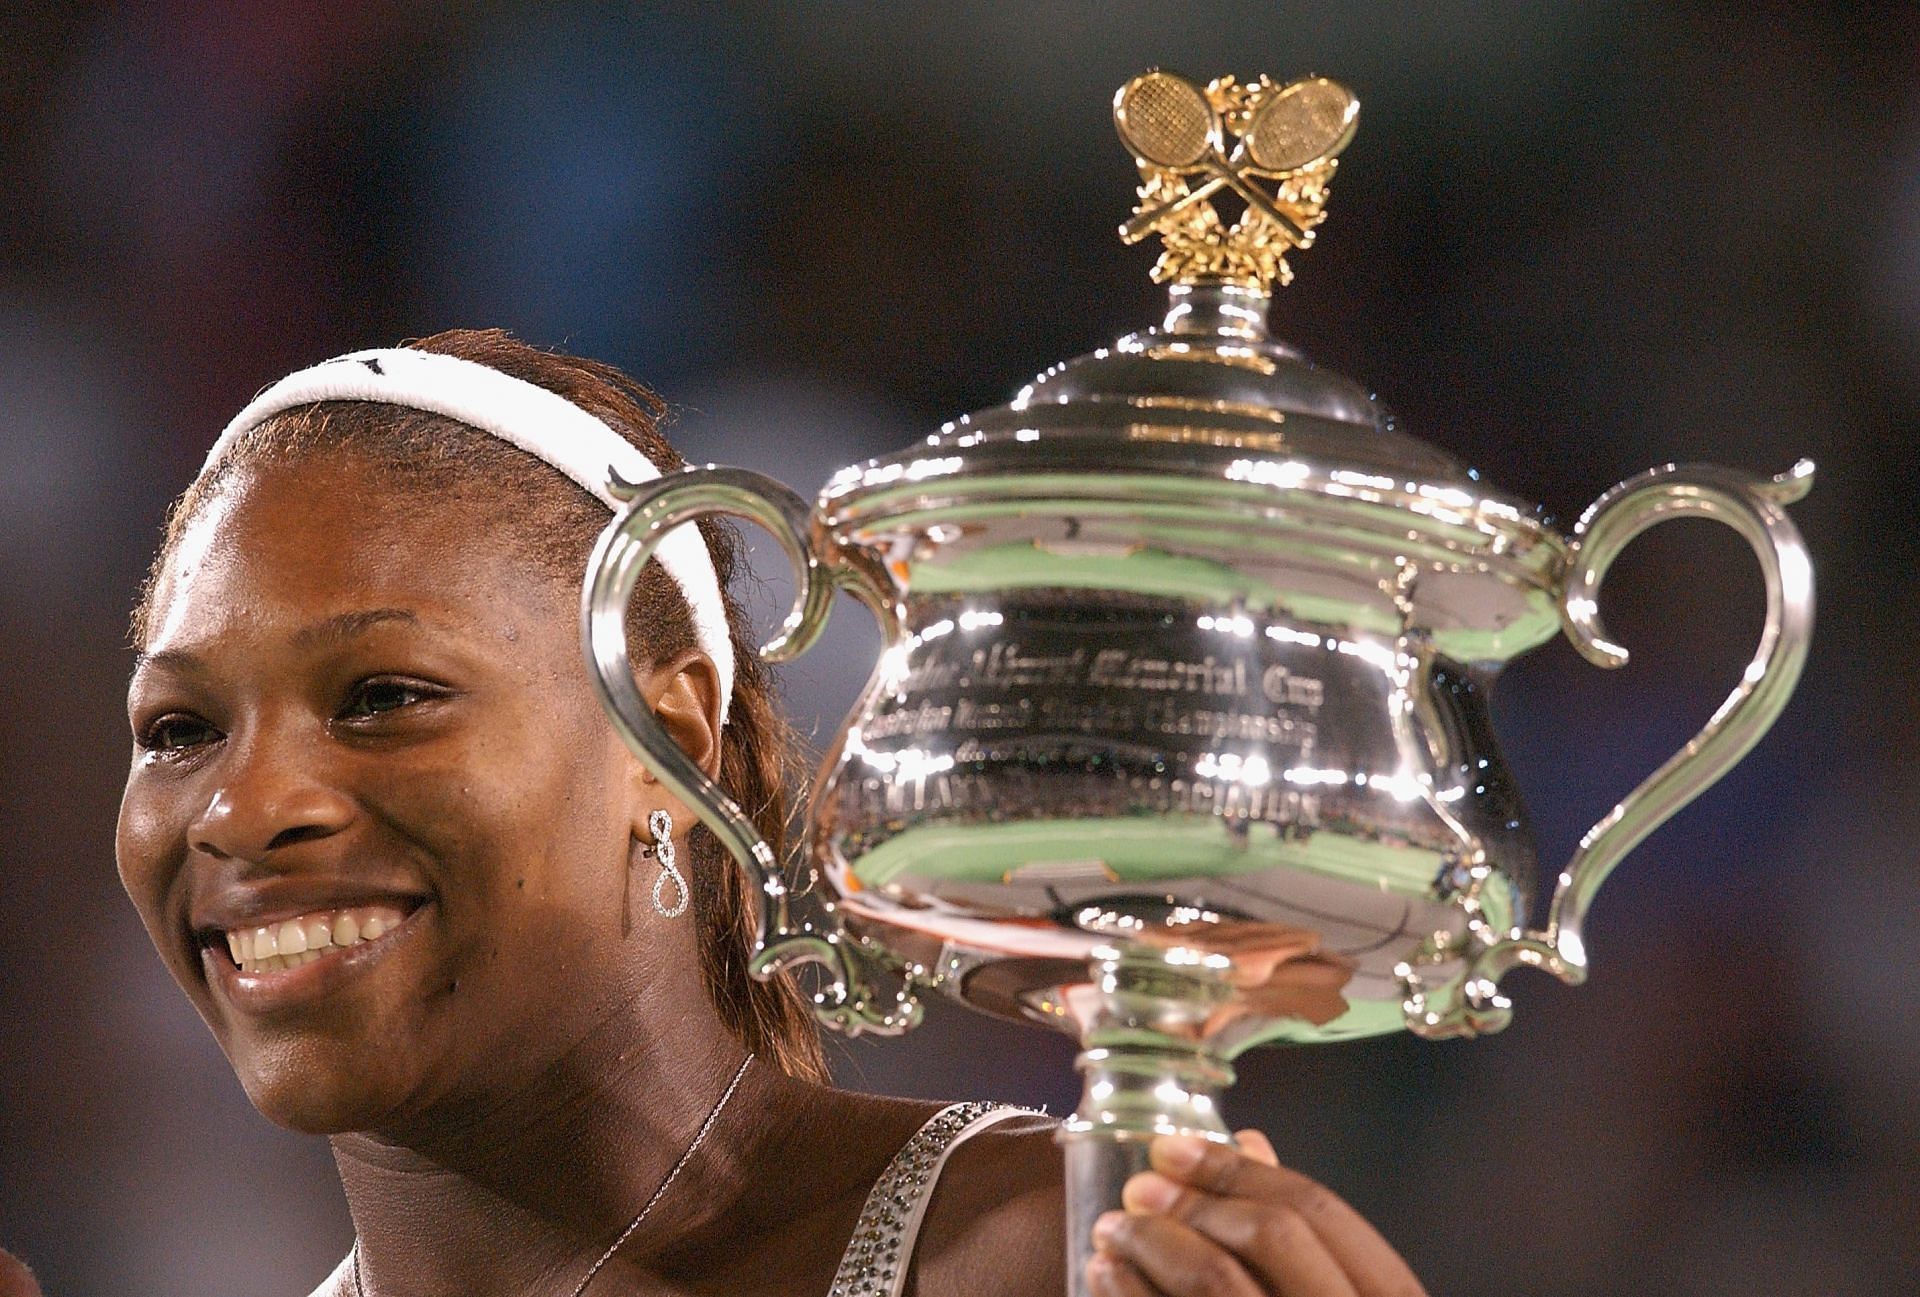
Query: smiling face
(376,824)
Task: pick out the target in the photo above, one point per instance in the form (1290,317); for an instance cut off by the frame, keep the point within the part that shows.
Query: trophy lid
(1208,399)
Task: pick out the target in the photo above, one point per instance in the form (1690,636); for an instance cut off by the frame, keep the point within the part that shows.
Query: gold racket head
(1165,120)
(1300,124)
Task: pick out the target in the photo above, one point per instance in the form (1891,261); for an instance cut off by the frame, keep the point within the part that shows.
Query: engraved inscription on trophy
(1179,713)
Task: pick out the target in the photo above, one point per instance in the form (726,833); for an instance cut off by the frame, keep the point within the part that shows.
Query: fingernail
(1150,1192)
(1100,1272)
(1180,1152)
(1104,1227)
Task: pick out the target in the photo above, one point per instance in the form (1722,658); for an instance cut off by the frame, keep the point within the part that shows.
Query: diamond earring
(660,824)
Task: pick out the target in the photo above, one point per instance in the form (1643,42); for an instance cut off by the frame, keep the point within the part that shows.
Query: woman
(381,833)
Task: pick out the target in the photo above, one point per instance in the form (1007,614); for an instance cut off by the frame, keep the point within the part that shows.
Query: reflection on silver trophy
(1179,741)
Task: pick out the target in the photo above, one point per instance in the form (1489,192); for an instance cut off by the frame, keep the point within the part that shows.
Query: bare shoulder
(995,1226)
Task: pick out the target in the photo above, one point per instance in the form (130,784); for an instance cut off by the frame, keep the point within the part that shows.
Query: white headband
(544,424)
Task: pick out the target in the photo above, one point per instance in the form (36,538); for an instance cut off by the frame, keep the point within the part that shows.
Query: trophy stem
(1097,1169)
(1214,309)
(1147,1073)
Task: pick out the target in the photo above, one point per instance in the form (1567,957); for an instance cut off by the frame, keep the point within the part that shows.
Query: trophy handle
(850,1002)
(1754,507)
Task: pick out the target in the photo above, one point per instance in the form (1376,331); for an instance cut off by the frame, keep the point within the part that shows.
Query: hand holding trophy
(1180,740)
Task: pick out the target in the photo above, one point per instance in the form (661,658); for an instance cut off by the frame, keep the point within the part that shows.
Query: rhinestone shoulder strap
(875,1264)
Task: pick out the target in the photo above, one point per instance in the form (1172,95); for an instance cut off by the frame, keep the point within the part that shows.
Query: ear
(684,694)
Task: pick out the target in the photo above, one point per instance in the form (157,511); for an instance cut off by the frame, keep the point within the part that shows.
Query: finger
(1176,1259)
(1221,1169)
(1270,1239)
(1256,1146)
(1108,1276)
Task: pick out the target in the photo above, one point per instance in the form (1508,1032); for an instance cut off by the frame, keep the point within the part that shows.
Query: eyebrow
(334,630)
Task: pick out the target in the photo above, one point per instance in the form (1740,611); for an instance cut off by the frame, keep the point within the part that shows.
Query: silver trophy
(1180,741)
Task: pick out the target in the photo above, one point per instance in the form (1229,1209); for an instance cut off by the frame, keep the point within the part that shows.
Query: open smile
(304,956)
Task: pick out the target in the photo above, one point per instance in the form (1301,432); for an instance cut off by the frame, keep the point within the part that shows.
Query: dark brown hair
(556,523)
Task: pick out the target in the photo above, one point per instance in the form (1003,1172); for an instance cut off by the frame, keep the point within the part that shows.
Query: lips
(305,938)
(297,957)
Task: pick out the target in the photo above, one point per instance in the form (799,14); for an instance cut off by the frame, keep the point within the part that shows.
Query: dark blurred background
(1571,241)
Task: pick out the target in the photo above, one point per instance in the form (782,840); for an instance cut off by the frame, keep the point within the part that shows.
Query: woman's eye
(177,732)
(371,698)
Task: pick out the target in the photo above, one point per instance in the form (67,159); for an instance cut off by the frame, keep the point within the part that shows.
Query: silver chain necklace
(700,1136)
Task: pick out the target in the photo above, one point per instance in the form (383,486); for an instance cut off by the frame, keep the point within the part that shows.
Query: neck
(523,1192)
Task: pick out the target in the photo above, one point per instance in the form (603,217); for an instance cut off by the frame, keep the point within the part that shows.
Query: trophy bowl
(1179,739)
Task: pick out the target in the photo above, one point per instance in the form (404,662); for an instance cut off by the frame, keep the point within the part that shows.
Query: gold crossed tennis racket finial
(1272,146)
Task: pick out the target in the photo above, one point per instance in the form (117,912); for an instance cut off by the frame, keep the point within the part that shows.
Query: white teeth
(296,942)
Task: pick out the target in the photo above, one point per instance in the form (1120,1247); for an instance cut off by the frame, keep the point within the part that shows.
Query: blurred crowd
(1571,241)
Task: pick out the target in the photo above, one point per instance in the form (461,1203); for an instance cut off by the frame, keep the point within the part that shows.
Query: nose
(273,795)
